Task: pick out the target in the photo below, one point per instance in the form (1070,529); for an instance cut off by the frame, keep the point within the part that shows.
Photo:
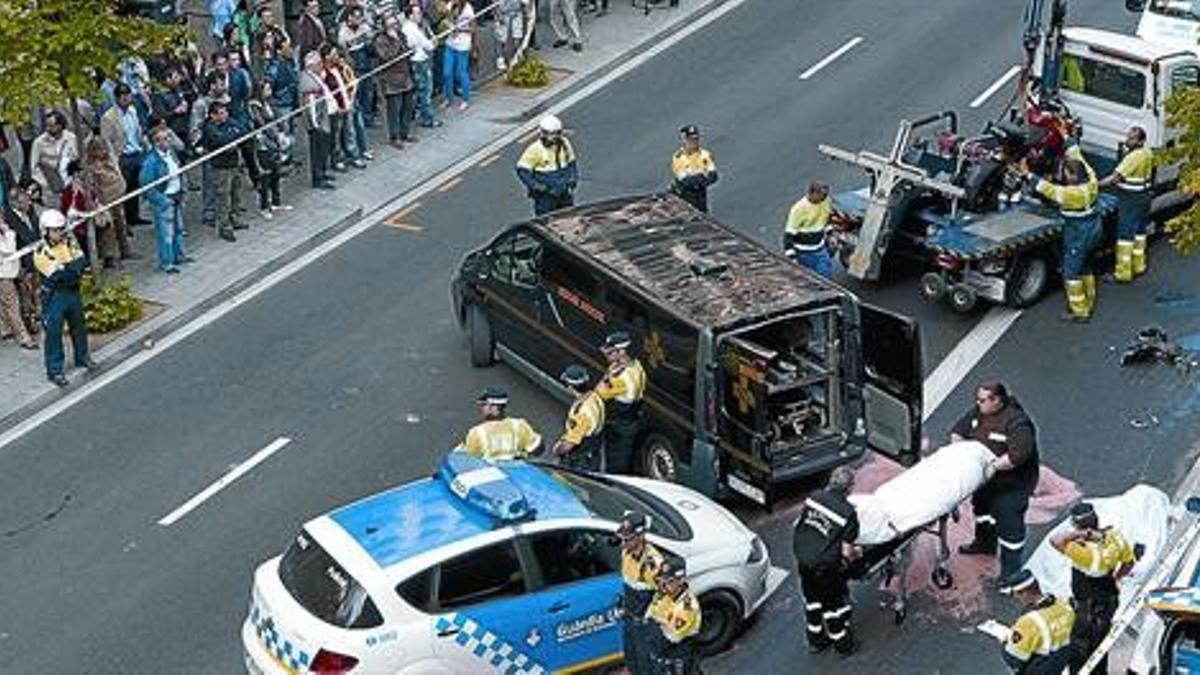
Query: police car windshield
(609,499)
(323,588)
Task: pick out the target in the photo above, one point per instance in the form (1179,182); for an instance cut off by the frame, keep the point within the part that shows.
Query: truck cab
(1175,23)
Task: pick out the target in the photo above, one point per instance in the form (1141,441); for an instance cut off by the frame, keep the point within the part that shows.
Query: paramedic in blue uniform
(1100,558)
(547,168)
(640,563)
(823,542)
(622,389)
(581,443)
(998,421)
(693,169)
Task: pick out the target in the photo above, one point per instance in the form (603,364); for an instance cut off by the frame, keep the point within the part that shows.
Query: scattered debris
(1149,420)
(412,418)
(1152,345)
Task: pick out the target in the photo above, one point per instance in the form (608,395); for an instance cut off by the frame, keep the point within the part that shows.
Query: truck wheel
(1026,281)
(483,344)
(722,614)
(933,286)
(660,461)
(962,298)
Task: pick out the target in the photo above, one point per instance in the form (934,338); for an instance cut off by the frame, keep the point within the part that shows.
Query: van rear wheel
(483,343)
(660,459)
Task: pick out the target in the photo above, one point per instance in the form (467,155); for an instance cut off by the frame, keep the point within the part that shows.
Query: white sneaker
(267,215)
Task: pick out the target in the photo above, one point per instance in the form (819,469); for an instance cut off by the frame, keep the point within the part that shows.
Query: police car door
(892,387)
(574,575)
(483,621)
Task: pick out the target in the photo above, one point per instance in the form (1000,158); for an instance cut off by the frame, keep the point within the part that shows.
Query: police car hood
(718,537)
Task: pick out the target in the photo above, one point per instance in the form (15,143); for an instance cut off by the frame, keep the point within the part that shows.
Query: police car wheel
(659,459)
(720,622)
(483,343)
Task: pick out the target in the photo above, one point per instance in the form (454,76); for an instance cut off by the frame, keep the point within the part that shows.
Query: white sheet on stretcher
(1141,514)
(929,489)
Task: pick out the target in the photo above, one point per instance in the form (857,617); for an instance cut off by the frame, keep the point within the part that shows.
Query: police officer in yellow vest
(621,389)
(806,229)
(676,613)
(60,264)
(1039,642)
(547,168)
(1075,194)
(499,437)
(581,444)
(693,168)
(1100,557)
(640,562)
(1132,177)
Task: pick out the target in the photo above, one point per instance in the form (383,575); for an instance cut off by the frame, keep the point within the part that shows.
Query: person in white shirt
(422,46)
(11,322)
(456,57)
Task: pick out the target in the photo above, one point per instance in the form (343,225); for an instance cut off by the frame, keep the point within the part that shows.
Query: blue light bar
(484,486)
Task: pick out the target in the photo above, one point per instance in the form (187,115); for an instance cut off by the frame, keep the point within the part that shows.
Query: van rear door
(893,385)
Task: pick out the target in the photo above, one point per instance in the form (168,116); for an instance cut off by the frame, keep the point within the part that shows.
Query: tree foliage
(51,51)
(1183,114)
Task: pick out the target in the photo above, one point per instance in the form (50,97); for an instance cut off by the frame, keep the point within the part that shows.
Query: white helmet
(550,124)
(52,219)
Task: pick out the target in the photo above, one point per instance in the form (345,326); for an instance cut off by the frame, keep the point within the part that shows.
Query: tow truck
(955,203)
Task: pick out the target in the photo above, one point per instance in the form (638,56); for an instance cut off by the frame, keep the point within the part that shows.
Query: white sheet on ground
(929,489)
(1142,515)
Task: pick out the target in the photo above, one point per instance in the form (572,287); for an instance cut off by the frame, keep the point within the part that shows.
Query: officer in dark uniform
(622,389)
(581,444)
(999,422)
(675,613)
(640,563)
(693,169)
(60,264)
(1100,557)
(1039,642)
(824,539)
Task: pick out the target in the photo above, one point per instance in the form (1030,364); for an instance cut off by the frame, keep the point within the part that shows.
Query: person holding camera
(1100,557)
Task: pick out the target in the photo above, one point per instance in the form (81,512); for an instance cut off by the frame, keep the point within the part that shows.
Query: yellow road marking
(406,227)
(396,220)
(450,184)
(529,136)
(489,160)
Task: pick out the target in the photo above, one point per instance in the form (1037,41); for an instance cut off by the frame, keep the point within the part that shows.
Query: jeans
(208,195)
(456,70)
(353,137)
(131,168)
(364,99)
(423,78)
(399,110)
(59,306)
(168,232)
(818,261)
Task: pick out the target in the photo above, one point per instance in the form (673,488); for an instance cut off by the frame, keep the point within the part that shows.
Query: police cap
(690,130)
(574,376)
(492,396)
(673,569)
(633,522)
(617,340)
(1084,515)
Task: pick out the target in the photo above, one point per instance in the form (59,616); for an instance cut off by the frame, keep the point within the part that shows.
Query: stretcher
(921,500)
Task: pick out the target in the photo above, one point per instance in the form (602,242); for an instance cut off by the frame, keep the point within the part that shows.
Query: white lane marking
(833,56)
(234,474)
(987,93)
(965,355)
(368,221)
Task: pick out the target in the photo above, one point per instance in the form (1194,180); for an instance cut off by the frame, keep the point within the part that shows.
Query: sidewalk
(221,269)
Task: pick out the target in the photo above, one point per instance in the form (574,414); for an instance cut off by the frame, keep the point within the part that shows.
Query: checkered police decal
(289,656)
(488,647)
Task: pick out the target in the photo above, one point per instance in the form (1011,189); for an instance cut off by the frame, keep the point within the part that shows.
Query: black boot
(978,547)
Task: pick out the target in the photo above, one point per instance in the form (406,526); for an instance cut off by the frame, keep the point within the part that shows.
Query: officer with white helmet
(547,168)
(60,264)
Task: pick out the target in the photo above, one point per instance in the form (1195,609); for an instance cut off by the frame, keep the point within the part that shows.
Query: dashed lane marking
(490,160)
(233,474)
(833,56)
(965,356)
(1003,80)
(450,184)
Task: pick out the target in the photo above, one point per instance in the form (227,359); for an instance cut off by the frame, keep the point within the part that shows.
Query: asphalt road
(357,361)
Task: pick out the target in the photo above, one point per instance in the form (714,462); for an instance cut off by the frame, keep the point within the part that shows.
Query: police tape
(18,254)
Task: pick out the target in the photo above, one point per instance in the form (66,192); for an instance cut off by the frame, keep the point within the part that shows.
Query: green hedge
(529,73)
(111,306)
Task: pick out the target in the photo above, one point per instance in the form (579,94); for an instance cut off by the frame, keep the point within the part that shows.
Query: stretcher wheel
(899,615)
(941,578)
(962,298)
(933,286)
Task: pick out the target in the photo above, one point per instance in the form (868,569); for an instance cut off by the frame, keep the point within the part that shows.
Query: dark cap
(689,130)
(121,89)
(1083,515)
(574,376)
(672,569)
(492,396)
(633,523)
(617,340)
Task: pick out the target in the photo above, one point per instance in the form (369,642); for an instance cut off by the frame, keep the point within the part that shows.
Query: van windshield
(322,587)
(1176,9)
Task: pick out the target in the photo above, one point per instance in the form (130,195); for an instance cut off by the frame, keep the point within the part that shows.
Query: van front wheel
(660,459)
(483,343)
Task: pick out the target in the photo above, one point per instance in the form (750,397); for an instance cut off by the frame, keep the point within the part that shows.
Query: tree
(1183,114)
(54,52)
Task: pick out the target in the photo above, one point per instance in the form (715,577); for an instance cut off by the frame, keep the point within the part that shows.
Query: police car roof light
(484,487)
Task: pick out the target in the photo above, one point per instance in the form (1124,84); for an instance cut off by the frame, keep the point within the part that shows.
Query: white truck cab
(1175,23)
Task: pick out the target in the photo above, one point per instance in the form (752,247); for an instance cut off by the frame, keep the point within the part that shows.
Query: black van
(758,371)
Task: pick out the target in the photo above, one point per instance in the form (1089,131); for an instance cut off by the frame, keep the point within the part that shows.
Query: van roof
(1126,47)
(701,269)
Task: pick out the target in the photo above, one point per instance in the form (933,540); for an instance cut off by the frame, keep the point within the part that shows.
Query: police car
(481,568)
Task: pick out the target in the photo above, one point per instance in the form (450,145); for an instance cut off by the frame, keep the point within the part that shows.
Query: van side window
(517,260)
(1185,76)
(1113,83)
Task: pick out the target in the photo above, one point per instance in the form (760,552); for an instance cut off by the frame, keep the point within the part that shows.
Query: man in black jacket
(218,132)
(998,421)
(823,541)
